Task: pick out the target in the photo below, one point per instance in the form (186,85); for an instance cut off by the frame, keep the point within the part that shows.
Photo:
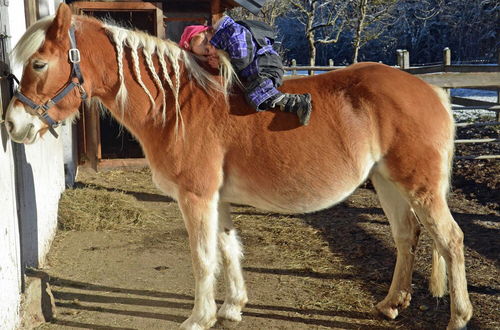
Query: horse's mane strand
(164,49)
(34,37)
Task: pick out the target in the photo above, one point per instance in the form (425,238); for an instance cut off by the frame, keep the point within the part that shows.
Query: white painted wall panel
(10,268)
(27,228)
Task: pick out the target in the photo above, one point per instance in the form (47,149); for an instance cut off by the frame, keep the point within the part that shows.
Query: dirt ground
(317,271)
(121,259)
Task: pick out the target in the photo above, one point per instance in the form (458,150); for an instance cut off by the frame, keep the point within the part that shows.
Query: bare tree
(370,20)
(271,10)
(323,21)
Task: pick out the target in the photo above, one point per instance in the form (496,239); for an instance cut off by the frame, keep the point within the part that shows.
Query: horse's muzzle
(26,135)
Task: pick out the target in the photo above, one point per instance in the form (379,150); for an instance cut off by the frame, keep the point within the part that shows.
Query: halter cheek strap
(42,109)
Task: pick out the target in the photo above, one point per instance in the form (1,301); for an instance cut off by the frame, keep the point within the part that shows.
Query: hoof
(454,328)
(230,312)
(226,324)
(457,325)
(387,311)
(459,322)
(190,324)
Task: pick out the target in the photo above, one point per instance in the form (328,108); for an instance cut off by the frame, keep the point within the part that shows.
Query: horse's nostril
(9,125)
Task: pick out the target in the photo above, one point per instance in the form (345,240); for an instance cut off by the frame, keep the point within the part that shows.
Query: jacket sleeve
(236,40)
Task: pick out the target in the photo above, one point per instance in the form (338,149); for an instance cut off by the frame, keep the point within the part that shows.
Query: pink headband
(188,34)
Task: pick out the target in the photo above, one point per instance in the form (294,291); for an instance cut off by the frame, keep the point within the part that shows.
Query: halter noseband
(41,109)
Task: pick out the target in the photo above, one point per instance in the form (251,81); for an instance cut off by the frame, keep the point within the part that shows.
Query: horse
(207,148)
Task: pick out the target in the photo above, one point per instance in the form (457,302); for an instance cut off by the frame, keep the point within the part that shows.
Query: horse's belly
(288,199)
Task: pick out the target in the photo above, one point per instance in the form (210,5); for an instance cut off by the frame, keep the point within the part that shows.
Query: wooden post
(406,59)
(399,58)
(403,58)
(216,10)
(330,62)
(446,62)
(294,64)
(498,89)
(446,56)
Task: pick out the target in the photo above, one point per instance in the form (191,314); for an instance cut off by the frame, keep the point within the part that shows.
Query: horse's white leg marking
(405,231)
(448,238)
(230,247)
(200,217)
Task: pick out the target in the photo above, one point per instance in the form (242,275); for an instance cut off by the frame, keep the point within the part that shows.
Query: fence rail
(448,76)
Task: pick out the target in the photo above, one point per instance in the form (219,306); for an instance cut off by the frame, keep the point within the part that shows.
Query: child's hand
(213,61)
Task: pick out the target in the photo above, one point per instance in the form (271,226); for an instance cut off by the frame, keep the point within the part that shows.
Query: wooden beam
(482,124)
(216,10)
(114,6)
(477,141)
(462,80)
(471,102)
(30,12)
(479,157)
(124,163)
(453,69)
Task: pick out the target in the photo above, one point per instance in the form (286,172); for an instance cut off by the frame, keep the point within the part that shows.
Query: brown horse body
(368,121)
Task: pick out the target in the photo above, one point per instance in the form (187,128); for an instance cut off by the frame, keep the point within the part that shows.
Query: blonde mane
(165,49)
(123,38)
(31,41)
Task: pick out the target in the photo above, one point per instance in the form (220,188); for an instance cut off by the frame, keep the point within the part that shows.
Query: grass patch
(93,209)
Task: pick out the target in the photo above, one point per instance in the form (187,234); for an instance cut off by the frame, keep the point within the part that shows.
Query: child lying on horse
(259,67)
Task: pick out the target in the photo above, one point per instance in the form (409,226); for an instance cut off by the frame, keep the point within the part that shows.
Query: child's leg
(261,90)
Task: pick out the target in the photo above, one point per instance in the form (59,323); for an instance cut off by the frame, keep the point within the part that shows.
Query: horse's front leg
(200,217)
(230,248)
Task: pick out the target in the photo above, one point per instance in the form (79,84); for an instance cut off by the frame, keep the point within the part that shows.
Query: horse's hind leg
(435,215)
(405,231)
(200,217)
(230,248)
(424,182)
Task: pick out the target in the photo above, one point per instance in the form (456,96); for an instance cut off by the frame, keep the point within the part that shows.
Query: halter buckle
(49,104)
(83,93)
(74,55)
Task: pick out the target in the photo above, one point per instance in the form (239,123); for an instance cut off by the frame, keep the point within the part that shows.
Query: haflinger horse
(207,148)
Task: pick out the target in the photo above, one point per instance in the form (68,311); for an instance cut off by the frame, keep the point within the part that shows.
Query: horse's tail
(437,282)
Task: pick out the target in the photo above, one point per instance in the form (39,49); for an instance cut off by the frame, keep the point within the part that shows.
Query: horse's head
(50,90)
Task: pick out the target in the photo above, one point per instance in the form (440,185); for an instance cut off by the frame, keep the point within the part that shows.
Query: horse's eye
(39,65)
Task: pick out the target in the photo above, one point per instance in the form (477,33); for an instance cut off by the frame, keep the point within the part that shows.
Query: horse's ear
(59,28)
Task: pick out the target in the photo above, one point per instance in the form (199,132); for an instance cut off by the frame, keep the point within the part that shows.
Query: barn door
(99,138)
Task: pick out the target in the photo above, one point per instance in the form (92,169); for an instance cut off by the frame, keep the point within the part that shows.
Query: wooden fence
(447,76)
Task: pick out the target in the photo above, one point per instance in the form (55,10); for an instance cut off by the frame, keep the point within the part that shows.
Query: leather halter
(41,109)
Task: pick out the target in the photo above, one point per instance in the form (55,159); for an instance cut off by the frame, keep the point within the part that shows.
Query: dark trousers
(270,67)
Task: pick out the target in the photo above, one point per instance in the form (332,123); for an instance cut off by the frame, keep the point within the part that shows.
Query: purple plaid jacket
(237,41)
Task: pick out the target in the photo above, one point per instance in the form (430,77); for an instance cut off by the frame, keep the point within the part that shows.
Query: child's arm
(236,40)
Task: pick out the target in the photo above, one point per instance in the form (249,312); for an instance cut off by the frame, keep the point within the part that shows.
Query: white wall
(31,182)
(10,263)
